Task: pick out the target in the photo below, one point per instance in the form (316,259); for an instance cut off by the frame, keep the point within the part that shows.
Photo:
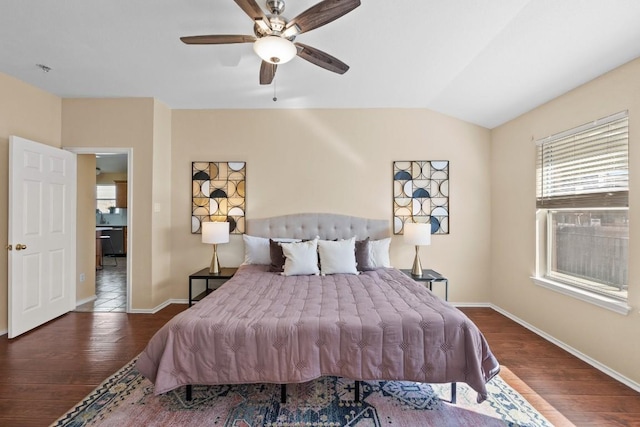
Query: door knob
(20,246)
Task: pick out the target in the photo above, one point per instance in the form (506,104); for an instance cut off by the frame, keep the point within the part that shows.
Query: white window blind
(585,167)
(107,192)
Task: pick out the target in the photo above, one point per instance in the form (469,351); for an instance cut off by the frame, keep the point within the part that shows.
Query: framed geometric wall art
(421,194)
(218,194)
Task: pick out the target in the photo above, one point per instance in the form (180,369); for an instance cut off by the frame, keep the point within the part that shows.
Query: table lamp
(214,233)
(418,234)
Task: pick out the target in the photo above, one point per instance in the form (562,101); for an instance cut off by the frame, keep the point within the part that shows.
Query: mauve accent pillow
(363,255)
(277,257)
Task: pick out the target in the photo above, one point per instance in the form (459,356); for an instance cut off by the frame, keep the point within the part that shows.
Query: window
(582,200)
(105,198)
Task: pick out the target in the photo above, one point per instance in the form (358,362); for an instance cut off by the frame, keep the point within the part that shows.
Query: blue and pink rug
(126,399)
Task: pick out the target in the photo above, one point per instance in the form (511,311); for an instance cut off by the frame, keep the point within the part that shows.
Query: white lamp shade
(275,49)
(417,234)
(215,232)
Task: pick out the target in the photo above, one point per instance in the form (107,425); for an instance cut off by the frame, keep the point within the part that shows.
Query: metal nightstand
(224,275)
(430,276)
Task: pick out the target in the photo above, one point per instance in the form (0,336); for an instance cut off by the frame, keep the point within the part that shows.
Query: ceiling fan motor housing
(275,6)
(277,23)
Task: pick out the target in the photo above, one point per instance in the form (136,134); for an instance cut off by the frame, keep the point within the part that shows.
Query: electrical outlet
(82,277)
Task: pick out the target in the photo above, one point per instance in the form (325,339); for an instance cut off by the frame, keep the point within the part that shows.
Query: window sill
(619,307)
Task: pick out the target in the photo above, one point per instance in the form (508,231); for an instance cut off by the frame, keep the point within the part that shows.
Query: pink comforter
(261,327)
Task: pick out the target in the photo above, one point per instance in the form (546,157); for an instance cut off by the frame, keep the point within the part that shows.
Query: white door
(42,234)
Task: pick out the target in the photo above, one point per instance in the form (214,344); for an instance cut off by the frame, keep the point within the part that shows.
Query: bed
(273,327)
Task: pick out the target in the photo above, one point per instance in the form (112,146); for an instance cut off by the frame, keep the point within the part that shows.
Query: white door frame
(130,203)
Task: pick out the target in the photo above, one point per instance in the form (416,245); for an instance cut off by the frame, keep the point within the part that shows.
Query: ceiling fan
(274,34)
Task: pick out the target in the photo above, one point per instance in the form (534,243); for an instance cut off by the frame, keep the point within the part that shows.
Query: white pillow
(338,256)
(256,249)
(380,252)
(300,258)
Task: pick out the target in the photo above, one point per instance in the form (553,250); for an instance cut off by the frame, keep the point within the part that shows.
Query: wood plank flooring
(48,370)
(566,390)
(45,372)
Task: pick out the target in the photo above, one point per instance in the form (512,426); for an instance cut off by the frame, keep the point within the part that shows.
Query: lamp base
(417,267)
(214,268)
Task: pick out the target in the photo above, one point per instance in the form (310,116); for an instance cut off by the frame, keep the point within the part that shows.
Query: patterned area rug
(126,399)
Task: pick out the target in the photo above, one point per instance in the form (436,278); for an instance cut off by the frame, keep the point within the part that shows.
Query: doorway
(111,288)
(113,213)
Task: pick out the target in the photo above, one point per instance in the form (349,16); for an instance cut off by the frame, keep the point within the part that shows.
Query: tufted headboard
(310,225)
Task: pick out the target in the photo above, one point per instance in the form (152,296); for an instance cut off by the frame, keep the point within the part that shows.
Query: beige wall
(30,113)
(611,339)
(122,123)
(161,250)
(86,227)
(337,161)
(327,161)
(109,178)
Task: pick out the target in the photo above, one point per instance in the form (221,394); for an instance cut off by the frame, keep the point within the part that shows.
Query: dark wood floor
(45,372)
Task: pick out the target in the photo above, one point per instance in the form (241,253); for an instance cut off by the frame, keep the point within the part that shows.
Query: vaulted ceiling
(485,62)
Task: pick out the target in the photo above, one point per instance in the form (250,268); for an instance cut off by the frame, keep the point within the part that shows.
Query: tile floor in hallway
(111,288)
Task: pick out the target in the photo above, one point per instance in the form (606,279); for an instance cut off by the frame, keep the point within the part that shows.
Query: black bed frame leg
(356,392)
(189,392)
(453,393)
(283,393)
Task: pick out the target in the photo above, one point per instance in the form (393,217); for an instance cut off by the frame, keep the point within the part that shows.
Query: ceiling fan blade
(322,13)
(267,72)
(321,59)
(218,39)
(252,9)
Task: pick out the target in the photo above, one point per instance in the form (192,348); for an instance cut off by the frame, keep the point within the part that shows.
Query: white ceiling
(485,62)
(111,163)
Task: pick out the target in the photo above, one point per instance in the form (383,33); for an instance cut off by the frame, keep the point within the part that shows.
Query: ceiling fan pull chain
(275,98)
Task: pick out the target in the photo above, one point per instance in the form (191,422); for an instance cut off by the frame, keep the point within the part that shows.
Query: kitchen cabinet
(121,194)
(118,241)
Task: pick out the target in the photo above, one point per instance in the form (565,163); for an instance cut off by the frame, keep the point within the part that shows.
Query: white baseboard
(599,366)
(5,332)
(159,307)
(86,300)
(471,304)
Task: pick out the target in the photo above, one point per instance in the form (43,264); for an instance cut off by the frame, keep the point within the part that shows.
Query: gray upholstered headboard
(327,226)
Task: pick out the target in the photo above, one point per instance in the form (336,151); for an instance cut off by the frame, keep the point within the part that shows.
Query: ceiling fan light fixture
(275,49)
